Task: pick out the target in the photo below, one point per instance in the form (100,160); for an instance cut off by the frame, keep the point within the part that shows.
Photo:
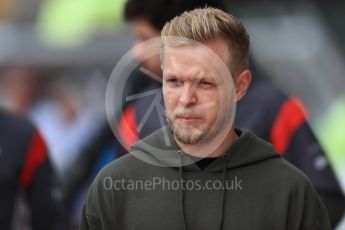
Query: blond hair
(208,24)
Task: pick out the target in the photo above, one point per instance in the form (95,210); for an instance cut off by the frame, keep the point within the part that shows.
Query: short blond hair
(208,24)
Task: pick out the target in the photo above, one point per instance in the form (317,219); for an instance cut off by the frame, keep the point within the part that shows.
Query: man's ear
(242,84)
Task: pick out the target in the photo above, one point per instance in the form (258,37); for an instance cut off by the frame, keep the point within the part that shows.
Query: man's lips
(189,119)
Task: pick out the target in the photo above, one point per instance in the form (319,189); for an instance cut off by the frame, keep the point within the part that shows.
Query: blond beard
(188,134)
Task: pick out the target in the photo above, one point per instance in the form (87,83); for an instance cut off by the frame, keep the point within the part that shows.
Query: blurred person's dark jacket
(25,170)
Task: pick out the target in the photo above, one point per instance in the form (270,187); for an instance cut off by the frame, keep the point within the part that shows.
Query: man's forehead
(198,59)
(204,51)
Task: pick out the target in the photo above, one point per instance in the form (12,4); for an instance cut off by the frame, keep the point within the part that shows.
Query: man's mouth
(189,119)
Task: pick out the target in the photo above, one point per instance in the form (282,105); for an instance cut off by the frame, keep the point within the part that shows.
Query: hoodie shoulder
(289,173)
(306,207)
(121,166)
(261,155)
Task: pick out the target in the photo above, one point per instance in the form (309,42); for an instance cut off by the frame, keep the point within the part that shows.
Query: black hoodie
(156,186)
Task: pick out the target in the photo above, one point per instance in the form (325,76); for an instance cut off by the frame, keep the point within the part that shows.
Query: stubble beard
(190,135)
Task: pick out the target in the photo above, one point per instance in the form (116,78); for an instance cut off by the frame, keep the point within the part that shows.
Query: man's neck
(212,148)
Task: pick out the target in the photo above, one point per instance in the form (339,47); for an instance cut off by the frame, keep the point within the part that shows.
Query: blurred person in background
(22,88)
(66,106)
(25,169)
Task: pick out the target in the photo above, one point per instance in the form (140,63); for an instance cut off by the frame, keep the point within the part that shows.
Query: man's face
(196,89)
(143,32)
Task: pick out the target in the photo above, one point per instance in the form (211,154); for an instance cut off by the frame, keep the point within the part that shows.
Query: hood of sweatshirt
(161,149)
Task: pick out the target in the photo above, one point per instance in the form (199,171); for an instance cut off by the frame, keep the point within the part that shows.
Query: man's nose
(188,95)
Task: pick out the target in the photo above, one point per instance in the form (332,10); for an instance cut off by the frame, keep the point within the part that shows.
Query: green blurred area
(331,132)
(69,22)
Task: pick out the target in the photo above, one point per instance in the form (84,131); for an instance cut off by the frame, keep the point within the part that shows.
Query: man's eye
(205,84)
(173,82)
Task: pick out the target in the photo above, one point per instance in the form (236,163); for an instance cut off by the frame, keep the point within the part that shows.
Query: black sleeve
(41,188)
(44,199)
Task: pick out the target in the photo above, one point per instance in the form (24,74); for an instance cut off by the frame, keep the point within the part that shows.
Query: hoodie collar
(161,149)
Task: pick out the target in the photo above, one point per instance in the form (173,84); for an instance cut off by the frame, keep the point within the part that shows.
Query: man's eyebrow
(205,77)
(169,74)
(198,78)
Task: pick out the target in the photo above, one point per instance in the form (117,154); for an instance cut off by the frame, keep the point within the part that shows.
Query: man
(201,80)
(25,169)
(265,110)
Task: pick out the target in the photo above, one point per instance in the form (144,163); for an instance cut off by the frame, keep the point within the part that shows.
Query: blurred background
(56,57)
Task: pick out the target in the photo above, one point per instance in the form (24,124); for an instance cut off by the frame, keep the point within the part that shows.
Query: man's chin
(187,134)
(187,139)
(188,129)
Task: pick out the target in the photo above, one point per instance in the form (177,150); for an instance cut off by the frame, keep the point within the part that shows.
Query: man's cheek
(168,99)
